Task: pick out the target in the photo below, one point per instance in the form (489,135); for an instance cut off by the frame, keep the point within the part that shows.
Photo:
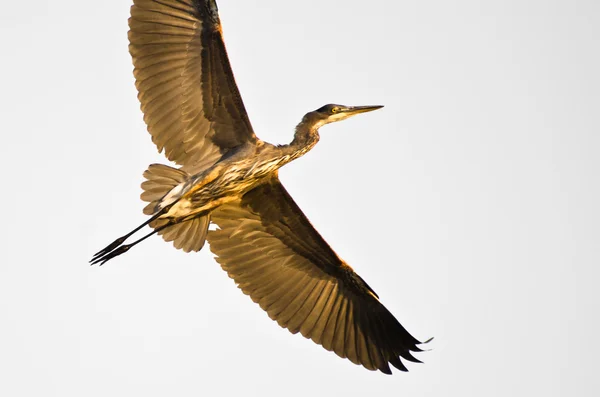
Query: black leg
(122,239)
(107,254)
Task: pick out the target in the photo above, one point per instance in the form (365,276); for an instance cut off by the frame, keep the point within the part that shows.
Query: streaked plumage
(228,176)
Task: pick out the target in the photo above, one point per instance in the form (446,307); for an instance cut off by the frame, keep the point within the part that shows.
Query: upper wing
(267,245)
(187,91)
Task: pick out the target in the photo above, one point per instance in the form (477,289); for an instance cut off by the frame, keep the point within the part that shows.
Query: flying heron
(229,177)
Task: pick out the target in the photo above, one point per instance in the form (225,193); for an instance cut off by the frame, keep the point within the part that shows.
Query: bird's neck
(305,138)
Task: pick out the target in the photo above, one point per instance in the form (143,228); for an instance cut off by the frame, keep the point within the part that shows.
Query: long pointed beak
(361,109)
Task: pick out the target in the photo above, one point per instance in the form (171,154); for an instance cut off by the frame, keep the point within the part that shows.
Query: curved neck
(305,138)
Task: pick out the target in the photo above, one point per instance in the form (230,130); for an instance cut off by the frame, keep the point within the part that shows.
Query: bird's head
(332,112)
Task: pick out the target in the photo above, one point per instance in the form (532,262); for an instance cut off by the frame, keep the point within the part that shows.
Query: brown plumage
(229,177)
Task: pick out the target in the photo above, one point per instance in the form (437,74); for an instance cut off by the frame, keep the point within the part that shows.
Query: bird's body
(226,181)
(235,174)
(229,177)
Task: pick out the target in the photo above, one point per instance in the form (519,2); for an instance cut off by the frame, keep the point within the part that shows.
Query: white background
(469,203)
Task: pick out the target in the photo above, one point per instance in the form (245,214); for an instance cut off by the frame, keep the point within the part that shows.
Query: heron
(229,177)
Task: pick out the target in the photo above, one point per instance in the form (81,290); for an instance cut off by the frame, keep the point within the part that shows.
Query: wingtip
(427,341)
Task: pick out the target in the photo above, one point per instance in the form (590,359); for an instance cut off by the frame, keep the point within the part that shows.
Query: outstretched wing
(266,244)
(187,91)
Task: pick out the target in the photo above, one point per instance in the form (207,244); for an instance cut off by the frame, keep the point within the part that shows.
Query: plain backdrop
(469,203)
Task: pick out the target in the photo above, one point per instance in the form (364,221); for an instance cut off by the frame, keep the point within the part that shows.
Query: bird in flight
(229,177)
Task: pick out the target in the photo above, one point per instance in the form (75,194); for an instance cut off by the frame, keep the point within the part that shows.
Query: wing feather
(292,314)
(350,342)
(304,311)
(308,327)
(265,243)
(338,335)
(329,328)
(191,103)
(288,293)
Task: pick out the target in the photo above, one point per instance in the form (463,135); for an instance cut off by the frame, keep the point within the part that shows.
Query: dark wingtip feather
(422,343)
(386,369)
(409,357)
(395,361)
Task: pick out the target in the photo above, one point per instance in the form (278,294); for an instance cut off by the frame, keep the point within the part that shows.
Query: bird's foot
(105,257)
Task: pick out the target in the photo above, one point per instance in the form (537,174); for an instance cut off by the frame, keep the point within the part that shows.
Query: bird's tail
(160,180)
(188,235)
(162,188)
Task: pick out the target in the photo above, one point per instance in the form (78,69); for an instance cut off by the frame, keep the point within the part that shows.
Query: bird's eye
(335,110)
